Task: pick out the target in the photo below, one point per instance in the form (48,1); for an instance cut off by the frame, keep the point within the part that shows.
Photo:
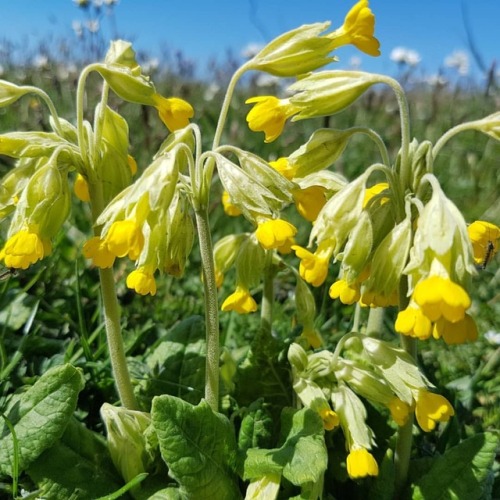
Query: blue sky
(204,29)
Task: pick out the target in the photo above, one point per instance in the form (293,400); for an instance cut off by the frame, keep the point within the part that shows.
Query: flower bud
(10,93)
(250,263)
(121,52)
(226,251)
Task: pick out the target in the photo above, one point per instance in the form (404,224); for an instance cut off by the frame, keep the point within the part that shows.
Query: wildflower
(312,337)
(358,29)
(360,463)
(458,332)
(240,301)
(229,208)
(174,112)
(125,238)
(274,233)
(81,188)
(330,419)
(283,166)
(96,249)
(142,281)
(314,266)
(484,237)
(439,297)
(413,322)
(347,293)
(132,164)
(24,248)
(399,411)
(432,408)
(269,115)
(376,189)
(309,201)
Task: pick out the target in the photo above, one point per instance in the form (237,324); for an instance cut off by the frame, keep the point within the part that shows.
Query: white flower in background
(458,60)
(211,91)
(436,80)
(492,337)
(266,80)
(110,3)
(251,50)
(355,63)
(92,25)
(40,61)
(150,65)
(402,55)
(77,28)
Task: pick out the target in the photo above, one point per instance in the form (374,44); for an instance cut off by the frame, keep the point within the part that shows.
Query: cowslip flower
(283,166)
(347,293)
(313,267)
(97,250)
(142,281)
(358,29)
(309,201)
(413,322)
(458,332)
(431,408)
(229,208)
(240,301)
(81,188)
(373,191)
(24,248)
(484,237)
(400,411)
(269,115)
(275,233)
(125,237)
(330,419)
(174,112)
(361,463)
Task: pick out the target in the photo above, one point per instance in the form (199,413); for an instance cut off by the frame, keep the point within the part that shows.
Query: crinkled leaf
(177,364)
(256,427)
(64,470)
(39,416)
(198,446)
(301,459)
(464,471)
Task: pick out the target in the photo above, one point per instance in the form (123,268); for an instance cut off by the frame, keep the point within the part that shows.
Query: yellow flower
(240,301)
(81,188)
(358,29)
(229,208)
(174,112)
(312,337)
(142,281)
(125,238)
(24,248)
(309,201)
(373,191)
(96,249)
(282,165)
(132,164)
(432,408)
(348,294)
(373,299)
(458,332)
(399,411)
(440,297)
(414,323)
(330,419)
(360,463)
(269,115)
(313,266)
(484,237)
(275,233)
(219,278)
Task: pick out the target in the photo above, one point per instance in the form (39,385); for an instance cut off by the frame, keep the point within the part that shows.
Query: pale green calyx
(10,93)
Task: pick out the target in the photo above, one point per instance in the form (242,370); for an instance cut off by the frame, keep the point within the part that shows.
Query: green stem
(375,323)
(266,311)
(211,310)
(376,139)
(449,134)
(48,101)
(404,442)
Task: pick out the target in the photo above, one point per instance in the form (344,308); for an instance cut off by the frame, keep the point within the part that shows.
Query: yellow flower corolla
(330,419)
(373,191)
(309,201)
(458,332)
(484,237)
(269,115)
(348,294)
(432,408)
(142,281)
(312,337)
(399,411)
(229,208)
(275,233)
(125,238)
(414,323)
(174,112)
(313,267)
(81,188)
(360,463)
(24,248)
(373,299)
(357,30)
(240,301)
(96,249)
(132,164)
(439,297)
(282,165)
(219,278)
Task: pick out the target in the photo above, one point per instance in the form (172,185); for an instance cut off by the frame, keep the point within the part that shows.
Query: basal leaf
(64,471)
(256,427)
(198,446)
(462,472)
(39,416)
(303,456)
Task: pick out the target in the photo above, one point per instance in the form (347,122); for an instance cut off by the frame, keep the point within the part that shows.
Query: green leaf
(39,416)
(198,446)
(303,456)
(256,427)
(464,471)
(64,471)
(177,364)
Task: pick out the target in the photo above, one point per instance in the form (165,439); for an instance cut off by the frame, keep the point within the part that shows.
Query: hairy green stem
(449,134)
(48,101)
(375,323)
(211,310)
(266,311)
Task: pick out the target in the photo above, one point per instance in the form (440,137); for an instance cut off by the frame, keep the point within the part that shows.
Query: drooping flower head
(484,237)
